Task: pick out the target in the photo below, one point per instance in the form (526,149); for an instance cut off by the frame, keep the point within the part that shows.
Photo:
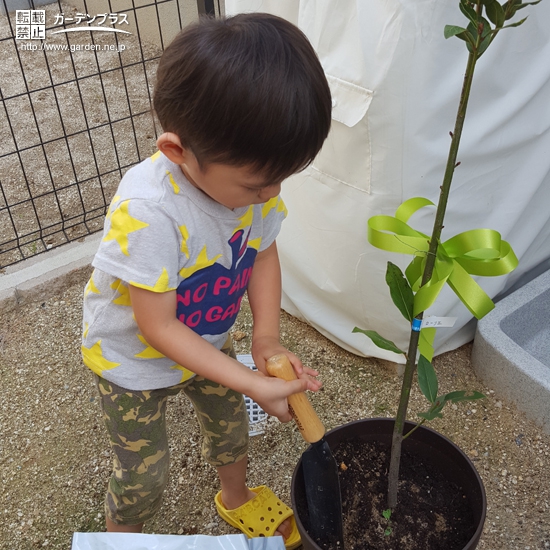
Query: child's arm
(264,295)
(155,314)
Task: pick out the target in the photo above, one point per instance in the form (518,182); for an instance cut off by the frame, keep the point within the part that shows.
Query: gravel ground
(55,461)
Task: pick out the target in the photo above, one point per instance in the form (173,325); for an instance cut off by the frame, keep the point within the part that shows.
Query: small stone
(343,467)
(239,335)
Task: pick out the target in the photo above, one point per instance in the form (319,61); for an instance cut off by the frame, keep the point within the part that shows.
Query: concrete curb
(506,353)
(42,276)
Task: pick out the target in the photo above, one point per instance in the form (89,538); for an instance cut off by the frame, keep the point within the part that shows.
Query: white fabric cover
(396,84)
(141,541)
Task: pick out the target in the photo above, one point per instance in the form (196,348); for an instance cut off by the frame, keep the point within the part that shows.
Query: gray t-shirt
(162,233)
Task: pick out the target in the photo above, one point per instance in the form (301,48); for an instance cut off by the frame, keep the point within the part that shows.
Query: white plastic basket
(256,415)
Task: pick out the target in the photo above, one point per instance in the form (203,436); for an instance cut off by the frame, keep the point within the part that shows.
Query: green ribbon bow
(474,252)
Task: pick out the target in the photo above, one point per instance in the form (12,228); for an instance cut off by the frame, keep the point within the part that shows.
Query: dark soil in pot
(437,508)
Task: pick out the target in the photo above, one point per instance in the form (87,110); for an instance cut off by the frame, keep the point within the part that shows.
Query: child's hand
(264,348)
(271,394)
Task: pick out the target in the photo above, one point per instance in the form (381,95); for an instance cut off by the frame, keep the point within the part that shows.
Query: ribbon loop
(475,252)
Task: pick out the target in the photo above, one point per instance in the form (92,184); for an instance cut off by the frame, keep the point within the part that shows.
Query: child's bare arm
(264,295)
(155,314)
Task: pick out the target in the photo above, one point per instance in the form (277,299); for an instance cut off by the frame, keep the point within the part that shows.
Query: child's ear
(170,144)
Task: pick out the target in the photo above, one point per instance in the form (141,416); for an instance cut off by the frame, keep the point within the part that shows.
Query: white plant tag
(438,322)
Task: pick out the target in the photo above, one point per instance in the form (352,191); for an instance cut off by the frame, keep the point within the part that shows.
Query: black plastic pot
(429,444)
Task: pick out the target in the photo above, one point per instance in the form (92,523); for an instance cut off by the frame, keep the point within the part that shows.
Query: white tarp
(135,541)
(396,84)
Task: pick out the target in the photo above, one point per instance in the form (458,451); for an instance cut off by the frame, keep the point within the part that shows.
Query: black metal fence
(75,91)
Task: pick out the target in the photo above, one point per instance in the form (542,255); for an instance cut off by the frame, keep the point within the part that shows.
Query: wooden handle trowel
(322,486)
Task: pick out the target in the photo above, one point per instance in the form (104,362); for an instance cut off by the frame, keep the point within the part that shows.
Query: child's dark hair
(245,90)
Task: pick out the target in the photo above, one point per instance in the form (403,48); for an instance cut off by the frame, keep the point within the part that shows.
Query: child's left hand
(264,348)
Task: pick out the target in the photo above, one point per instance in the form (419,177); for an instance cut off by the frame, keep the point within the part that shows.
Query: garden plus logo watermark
(31,25)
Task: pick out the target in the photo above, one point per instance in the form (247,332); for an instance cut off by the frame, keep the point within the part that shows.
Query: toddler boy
(243,103)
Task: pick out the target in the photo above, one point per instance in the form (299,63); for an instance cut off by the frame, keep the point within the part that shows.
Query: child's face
(232,186)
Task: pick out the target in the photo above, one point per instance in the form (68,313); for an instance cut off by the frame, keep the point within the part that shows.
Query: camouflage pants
(136,424)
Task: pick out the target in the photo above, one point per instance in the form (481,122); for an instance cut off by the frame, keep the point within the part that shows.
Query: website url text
(42,46)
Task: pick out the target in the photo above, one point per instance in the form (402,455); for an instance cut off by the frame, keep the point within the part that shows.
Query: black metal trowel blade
(322,488)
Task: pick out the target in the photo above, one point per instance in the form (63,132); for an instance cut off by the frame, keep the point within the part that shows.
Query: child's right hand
(271,393)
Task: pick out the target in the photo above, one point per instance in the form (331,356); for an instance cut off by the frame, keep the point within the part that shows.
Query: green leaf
(430,415)
(452,30)
(472,31)
(495,13)
(510,9)
(469,12)
(486,36)
(400,291)
(515,24)
(442,400)
(487,29)
(521,6)
(427,379)
(456,396)
(435,409)
(467,37)
(484,44)
(380,341)
(387,513)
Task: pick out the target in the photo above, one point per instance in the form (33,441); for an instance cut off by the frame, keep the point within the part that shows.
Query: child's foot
(232,502)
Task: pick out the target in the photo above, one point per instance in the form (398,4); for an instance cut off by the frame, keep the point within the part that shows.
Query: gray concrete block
(42,276)
(511,351)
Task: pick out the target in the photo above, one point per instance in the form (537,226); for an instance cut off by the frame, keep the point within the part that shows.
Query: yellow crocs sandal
(260,516)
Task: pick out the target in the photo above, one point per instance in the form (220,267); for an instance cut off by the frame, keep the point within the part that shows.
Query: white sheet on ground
(118,541)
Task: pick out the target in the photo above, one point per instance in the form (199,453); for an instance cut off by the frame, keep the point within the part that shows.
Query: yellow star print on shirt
(160,286)
(185,373)
(201,262)
(123,290)
(90,287)
(246,219)
(112,205)
(122,224)
(173,182)
(184,236)
(149,352)
(275,202)
(255,243)
(94,360)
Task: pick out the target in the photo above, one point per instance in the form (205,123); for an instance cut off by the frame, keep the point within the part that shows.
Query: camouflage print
(136,423)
